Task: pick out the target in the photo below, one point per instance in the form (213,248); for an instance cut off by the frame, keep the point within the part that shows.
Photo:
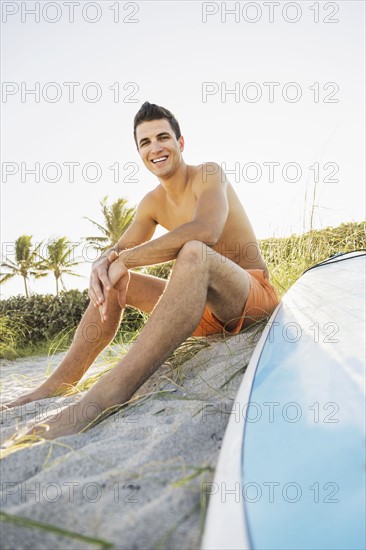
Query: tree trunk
(25,286)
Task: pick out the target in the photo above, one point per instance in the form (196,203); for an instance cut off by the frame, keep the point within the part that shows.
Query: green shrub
(42,318)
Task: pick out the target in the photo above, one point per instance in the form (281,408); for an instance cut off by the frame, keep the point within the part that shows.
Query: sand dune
(134,481)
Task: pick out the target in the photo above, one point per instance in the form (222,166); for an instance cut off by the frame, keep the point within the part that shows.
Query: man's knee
(113,300)
(195,252)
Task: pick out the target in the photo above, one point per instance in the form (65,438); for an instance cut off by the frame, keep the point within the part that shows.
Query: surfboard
(291,471)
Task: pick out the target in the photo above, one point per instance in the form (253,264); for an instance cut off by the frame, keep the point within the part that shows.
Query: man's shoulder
(151,202)
(206,173)
(200,169)
(153,195)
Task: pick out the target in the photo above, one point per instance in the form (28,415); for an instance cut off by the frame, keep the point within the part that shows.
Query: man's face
(159,149)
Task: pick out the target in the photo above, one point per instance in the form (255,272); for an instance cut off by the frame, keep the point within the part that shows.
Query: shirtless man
(219,282)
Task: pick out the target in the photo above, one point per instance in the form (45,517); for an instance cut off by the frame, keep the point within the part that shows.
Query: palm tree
(117,219)
(59,260)
(25,264)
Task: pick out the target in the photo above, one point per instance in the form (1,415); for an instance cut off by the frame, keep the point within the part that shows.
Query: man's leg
(200,275)
(92,336)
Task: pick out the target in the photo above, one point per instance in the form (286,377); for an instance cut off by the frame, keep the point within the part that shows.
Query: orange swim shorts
(262,300)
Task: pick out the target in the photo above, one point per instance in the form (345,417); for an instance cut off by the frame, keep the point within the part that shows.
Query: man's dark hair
(150,111)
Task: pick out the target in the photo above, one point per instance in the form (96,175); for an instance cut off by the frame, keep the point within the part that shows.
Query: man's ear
(181,143)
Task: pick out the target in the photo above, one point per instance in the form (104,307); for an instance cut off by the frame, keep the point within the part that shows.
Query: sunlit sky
(186,56)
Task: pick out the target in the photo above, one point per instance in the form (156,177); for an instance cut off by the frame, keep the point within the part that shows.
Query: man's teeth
(159,159)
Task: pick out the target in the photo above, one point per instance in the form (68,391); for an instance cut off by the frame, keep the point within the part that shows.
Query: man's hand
(100,283)
(119,278)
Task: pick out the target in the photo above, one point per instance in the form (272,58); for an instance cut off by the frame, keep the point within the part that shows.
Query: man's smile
(159,160)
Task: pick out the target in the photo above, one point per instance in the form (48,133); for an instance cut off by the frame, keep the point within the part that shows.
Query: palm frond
(117,218)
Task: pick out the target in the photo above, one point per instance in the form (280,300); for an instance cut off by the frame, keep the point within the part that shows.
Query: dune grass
(287,258)
(14,342)
(12,331)
(31,523)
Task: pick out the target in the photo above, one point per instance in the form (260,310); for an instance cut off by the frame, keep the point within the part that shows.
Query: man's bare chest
(173,214)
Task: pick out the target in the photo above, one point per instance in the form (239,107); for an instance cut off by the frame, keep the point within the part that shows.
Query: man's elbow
(209,235)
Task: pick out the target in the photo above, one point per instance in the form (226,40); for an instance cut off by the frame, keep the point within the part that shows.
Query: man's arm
(207,225)
(141,229)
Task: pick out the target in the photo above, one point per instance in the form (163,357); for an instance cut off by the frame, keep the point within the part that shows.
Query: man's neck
(175,185)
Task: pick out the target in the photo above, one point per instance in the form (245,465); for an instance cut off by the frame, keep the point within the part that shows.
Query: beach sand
(136,480)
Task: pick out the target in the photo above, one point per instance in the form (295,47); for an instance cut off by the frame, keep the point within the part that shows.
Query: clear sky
(273,91)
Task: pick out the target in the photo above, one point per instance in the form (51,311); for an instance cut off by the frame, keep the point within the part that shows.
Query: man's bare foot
(22,400)
(68,421)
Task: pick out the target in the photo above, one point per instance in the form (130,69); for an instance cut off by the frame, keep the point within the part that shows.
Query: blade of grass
(26,522)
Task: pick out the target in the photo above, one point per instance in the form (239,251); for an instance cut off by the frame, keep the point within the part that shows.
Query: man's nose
(156,146)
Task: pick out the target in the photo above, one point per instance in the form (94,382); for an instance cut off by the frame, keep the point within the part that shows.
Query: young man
(219,283)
